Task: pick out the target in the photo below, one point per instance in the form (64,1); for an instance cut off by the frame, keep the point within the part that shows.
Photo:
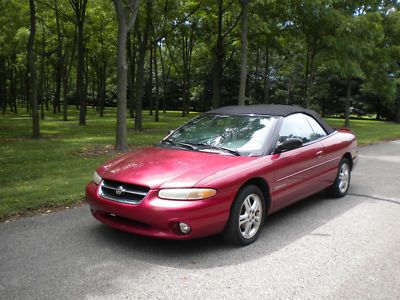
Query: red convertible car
(222,173)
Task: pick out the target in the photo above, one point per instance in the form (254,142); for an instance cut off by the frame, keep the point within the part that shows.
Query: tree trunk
(47,87)
(149,85)
(2,84)
(139,83)
(164,81)
(13,84)
(66,71)
(243,53)
(102,89)
(156,83)
(122,133)
(65,93)
(255,82)
(124,26)
(94,102)
(32,71)
(266,84)
(185,74)
(398,105)
(378,109)
(218,61)
(59,63)
(347,104)
(86,77)
(42,77)
(131,76)
(101,93)
(142,44)
(80,83)
(187,46)
(309,76)
(42,101)
(398,111)
(79,7)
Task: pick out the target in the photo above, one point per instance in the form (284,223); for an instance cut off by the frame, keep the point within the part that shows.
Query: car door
(296,171)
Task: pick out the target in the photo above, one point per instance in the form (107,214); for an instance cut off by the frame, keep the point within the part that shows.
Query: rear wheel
(247,216)
(341,185)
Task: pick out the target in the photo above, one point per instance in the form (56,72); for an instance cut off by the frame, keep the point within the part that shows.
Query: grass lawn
(53,171)
(370,131)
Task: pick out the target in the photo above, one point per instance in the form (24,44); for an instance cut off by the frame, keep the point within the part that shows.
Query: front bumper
(159,218)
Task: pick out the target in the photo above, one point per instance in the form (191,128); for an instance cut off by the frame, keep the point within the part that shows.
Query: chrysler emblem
(120,190)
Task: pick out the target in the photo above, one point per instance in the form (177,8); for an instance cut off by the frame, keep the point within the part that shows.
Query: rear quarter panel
(336,146)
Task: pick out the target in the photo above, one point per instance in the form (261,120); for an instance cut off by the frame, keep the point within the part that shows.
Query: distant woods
(337,57)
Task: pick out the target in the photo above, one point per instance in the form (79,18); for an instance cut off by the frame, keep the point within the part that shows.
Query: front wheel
(342,183)
(247,216)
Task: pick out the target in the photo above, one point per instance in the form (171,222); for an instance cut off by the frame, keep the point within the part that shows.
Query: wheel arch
(349,158)
(262,184)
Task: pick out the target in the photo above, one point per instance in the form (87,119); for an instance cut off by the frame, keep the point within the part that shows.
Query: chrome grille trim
(131,194)
(127,190)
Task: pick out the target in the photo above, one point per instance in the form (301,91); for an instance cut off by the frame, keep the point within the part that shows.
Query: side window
(318,130)
(296,126)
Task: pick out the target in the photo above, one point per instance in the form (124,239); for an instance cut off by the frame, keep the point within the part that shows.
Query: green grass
(370,131)
(54,170)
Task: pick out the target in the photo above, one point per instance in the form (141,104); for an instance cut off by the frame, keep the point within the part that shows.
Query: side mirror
(288,144)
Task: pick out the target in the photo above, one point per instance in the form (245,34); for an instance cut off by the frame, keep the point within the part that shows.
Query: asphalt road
(319,248)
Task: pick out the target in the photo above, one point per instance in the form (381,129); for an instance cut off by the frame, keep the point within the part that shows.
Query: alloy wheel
(250,216)
(344,176)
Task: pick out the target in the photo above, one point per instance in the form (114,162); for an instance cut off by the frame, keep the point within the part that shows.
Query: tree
(353,40)
(219,48)
(198,48)
(79,7)
(157,85)
(32,71)
(143,41)
(60,60)
(243,52)
(126,15)
(313,21)
(382,66)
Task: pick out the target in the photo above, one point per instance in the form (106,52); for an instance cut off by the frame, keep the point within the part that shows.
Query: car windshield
(225,134)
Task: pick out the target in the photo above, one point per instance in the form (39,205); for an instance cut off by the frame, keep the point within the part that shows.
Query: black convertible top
(271,110)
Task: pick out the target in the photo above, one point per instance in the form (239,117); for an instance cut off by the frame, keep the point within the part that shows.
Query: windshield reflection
(244,134)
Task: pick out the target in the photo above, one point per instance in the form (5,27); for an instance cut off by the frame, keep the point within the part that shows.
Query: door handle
(319,154)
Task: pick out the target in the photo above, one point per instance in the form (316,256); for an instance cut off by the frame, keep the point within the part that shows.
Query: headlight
(96,178)
(186,194)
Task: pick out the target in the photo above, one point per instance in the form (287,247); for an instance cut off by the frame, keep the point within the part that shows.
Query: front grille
(122,192)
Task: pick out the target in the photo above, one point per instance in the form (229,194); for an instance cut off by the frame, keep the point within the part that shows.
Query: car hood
(159,167)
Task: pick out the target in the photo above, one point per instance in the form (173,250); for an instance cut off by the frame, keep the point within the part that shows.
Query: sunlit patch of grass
(370,131)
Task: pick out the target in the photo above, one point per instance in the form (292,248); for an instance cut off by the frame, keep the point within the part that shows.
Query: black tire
(235,233)
(337,190)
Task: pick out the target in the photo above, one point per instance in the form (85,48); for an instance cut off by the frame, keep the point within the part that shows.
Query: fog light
(184,228)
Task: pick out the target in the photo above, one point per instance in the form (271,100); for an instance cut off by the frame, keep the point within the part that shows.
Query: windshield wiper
(231,151)
(179,144)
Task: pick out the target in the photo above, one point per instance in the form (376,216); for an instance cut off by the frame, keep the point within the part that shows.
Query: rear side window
(298,126)
(318,130)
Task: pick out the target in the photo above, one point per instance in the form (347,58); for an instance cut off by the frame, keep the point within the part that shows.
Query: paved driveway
(319,248)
